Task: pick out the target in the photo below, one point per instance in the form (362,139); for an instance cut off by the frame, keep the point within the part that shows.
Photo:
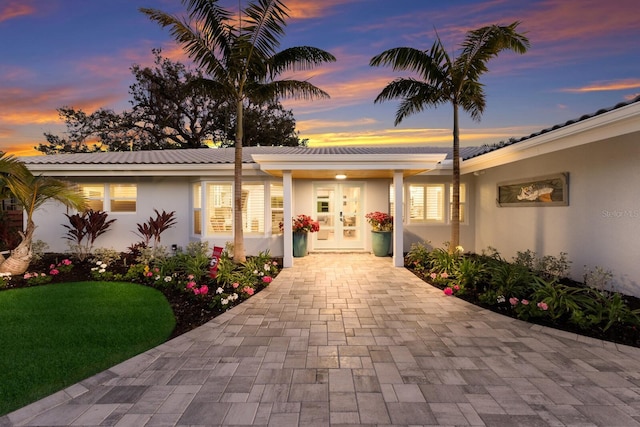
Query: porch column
(287,235)
(398,230)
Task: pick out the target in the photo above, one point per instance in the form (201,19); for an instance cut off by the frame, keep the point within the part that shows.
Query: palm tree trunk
(455,192)
(20,258)
(238,235)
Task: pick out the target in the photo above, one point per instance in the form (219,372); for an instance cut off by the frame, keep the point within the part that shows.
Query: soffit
(358,166)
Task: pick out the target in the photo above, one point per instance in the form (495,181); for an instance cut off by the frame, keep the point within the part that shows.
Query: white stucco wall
(601,225)
(161,193)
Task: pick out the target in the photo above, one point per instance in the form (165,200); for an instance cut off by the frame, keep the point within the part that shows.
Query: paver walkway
(349,339)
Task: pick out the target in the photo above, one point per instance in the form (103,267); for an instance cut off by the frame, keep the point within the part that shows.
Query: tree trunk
(455,192)
(238,235)
(20,258)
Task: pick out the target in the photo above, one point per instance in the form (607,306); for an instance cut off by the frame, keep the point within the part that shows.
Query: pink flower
(51,266)
(54,272)
(66,261)
(525,302)
(433,275)
(448,291)
(444,275)
(514,301)
(196,291)
(543,306)
(156,270)
(148,274)
(456,287)
(42,274)
(27,276)
(204,289)
(267,279)
(191,285)
(235,285)
(190,277)
(248,290)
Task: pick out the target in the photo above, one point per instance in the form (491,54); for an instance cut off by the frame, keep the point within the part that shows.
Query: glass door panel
(338,210)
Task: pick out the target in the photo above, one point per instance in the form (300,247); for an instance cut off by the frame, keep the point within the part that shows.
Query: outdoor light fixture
(341,176)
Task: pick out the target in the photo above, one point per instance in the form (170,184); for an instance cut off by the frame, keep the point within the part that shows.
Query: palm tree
(241,64)
(446,79)
(31,192)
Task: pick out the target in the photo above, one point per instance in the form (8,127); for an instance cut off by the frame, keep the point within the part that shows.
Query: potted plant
(381,228)
(302,225)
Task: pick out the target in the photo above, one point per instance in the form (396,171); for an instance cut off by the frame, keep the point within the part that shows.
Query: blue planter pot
(380,242)
(299,244)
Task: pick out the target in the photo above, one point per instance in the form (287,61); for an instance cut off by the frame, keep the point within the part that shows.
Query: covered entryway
(351,167)
(339,212)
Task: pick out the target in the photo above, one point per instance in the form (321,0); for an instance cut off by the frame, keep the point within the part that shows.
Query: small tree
(32,192)
(84,229)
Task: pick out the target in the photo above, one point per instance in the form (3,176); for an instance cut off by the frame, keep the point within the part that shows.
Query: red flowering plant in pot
(304,224)
(380,221)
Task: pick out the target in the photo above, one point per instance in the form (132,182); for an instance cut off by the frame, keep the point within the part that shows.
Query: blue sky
(585,55)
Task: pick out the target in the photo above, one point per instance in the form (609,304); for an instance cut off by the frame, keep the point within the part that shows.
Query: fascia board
(608,125)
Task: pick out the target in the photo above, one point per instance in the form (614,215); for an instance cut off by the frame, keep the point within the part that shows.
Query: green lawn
(56,335)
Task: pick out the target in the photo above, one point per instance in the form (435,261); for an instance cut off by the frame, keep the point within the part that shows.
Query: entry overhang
(356,166)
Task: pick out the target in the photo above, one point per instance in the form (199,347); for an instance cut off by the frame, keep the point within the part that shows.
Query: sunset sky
(585,55)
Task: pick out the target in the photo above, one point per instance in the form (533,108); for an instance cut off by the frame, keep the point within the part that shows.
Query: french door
(339,211)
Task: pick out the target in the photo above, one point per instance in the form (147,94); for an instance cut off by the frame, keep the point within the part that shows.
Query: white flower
(219,291)
(158,277)
(94,268)
(102,270)
(234,296)
(224,301)
(255,271)
(167,278)
(103,265)
(501,298)
(266,267)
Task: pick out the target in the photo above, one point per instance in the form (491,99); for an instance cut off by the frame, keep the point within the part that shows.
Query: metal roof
(225,155)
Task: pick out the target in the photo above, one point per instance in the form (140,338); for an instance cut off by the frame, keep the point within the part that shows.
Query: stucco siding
(601,225)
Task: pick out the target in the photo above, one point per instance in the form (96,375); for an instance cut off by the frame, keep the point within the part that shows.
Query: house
(571,188)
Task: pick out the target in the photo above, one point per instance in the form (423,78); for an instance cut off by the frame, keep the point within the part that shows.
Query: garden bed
(189,311)
(533,289)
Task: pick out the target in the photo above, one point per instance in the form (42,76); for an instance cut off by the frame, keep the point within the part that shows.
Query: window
(197,208)
(122,197)
(277,207)
(94,193)
(426,203)
(463,203)
(262,208)
(219,199)
(253,208)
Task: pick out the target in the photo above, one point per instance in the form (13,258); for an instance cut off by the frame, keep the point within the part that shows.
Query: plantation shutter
(219,208)
(123,197)
(277,207)
(253,208)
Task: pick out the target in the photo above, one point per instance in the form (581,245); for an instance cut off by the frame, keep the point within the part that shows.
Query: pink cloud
(15,9)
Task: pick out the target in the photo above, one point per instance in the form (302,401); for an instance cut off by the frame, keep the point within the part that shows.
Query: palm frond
(265,20)
(199,45)
(487,42)
(292,89)
(298,58)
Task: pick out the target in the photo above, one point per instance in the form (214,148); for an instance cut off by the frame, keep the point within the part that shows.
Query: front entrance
(339,211)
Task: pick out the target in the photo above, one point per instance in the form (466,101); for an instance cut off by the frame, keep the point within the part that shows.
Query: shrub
(154,227)
(84,229)
(547,266)
(418,256)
